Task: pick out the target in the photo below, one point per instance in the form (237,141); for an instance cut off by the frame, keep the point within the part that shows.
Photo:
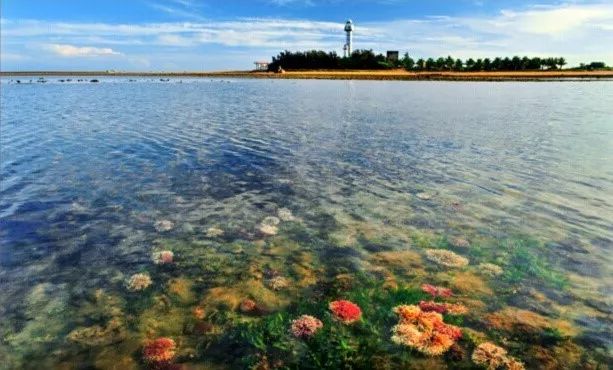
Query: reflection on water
(250,203)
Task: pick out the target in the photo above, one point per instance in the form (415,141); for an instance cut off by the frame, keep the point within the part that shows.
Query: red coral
(436,291)
(451,331)
(247,305)
(431,306)
(159,350)
(346,311)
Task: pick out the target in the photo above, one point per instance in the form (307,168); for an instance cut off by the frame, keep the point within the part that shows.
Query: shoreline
(397,74)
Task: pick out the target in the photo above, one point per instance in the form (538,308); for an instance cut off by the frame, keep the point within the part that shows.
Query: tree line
(515,63)
(317,59)
(367,59)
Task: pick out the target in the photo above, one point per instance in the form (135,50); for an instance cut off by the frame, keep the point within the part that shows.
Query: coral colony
(493,357)
(424,331)
(421,324)
(138,282)
(159,350)
(305,326)
(446,258)
(346,312)
(436,291)
(163,257)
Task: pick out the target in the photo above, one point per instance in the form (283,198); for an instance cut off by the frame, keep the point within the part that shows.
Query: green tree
(407,62)
(430,64)
(449,63)
(440,63)
(421,64)
(458,65)
(561,62)
(470,64)
(487,64)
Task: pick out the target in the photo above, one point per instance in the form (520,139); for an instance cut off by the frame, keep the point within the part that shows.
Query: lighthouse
(349,32)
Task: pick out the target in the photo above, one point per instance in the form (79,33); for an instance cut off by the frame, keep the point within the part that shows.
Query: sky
(196,35)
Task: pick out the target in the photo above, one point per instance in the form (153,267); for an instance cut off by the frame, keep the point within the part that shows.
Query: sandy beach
(396,74)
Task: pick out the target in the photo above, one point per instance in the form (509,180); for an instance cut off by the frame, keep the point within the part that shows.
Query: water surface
(374,173)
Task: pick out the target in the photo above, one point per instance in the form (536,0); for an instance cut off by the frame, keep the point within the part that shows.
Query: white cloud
(66,50)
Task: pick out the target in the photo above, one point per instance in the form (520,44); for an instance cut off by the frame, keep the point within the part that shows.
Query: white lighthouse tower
(349,31)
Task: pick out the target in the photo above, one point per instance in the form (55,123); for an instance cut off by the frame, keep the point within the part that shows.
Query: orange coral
(424,331)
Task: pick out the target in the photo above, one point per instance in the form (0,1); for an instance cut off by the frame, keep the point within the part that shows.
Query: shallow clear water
(374,173)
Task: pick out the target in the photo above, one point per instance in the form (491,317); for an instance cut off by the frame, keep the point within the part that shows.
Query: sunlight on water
(216,213)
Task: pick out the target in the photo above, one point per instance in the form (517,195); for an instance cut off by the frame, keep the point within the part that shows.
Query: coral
(406,261)
(138,282)
(490,269)
(443,308)
(459,242)
(285,214)
(164,225)
(436,291)
(181,289)
(489,355)
(214,232)
(493,357)
(468,282)
(163,257)
(431,306)
(456,353)
(346,311)
(199,312)
(247,305)
(230,297)
(449,308)
(512,318)
(305,326)
(446,258)
(424,331)
(278,283)
(159,350)
(270,221)
(96,335)
(268,229)
(424,196)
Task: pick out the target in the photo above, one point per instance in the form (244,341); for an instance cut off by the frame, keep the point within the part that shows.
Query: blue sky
(187,35)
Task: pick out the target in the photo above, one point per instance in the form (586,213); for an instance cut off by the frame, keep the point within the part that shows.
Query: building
(348,43)
(393,56)
(261,66)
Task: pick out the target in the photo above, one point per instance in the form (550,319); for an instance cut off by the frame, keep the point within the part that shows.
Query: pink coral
(163,257)
(247,305)
(346,311)
(436,291)
(305,326)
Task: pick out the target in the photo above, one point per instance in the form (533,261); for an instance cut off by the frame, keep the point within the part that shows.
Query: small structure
(393,56)
(348,43)
(261,66)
